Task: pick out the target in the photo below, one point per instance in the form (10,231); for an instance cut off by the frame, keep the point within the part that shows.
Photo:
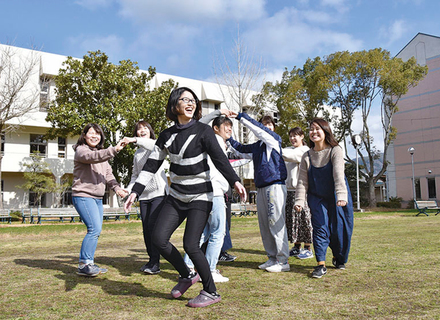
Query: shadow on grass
(67,265)
(296,265)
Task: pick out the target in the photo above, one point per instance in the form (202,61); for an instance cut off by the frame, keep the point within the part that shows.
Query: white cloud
(289,35)
(395,31)
(111,45)
(339,5)
(191,11)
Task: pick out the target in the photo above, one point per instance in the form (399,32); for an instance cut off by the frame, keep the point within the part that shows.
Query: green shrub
(395,202)
(15,215)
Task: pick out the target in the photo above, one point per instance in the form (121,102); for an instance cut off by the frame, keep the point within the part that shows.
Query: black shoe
(154,269)
(319,271)
(147,265)
(226,257)
(294,252)
(338,265)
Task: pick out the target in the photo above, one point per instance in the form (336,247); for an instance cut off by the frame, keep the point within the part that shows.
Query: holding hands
(124,142)
(228,113)
(122,193)
(128,203)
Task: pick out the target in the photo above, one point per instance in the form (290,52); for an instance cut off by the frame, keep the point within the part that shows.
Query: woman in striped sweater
(188,144)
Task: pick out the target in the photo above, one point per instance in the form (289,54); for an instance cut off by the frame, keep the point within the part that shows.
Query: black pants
(170,218)
(149,212)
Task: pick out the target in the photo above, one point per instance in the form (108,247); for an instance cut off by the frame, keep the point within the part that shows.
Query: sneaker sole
(303,258)
(88,275)
(276,271)
(203,304)
(318,277)
(151,272)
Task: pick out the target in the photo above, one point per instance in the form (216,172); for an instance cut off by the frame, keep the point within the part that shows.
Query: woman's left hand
(241,190)
(341,203)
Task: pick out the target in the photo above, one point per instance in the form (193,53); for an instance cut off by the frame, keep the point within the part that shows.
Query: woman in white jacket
(152,199)
(299,226)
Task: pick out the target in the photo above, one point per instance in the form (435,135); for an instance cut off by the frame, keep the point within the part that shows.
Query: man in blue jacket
(270,174)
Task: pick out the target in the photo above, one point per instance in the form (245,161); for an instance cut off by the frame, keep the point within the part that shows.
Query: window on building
(245,135)
(217,106)
(33,200)
(205,105)
(275,117)
(432,193)
(44,93)
(418,189)
(3,143)
(61,147)
(38,144)
(67,198)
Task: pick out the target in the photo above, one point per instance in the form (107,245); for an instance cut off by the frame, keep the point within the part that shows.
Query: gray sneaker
(319,271)
(90,270)
(103,270)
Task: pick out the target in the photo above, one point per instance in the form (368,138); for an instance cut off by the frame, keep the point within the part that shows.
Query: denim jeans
(214,233)
(91,211)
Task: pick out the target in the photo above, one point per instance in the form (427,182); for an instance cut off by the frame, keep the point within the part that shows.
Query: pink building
(418,126)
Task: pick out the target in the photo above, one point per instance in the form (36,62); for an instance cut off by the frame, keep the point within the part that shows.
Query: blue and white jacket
(269,166)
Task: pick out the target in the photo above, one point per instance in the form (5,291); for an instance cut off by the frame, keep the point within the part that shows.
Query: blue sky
(184,38)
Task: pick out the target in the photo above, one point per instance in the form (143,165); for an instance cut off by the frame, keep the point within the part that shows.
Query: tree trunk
(371,193)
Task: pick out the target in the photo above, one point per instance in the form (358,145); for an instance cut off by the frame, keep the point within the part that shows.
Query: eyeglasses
(188,100)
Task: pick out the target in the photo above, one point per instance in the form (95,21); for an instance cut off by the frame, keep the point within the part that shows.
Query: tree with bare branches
(239,75)
(19,94)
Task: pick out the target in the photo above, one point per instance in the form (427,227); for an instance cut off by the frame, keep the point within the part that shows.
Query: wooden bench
(424,205)
(5,215)
(243,209)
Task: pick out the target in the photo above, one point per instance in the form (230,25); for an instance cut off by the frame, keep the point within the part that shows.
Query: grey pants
(271,219)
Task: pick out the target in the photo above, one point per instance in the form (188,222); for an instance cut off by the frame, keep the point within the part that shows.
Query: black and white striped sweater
(188,147)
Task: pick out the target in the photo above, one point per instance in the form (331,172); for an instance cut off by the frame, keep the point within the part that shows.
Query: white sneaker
(305,254)
(279,267)
(267,264)
(217,277)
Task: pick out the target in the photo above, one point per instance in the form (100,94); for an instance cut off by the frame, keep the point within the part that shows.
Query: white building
(27,136)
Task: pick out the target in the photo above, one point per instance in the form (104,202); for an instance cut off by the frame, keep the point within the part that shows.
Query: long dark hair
(82,137)
(297,131)
(325,126)
(173,100)
(145,124)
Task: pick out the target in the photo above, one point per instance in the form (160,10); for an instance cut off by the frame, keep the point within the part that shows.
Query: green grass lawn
(393,272)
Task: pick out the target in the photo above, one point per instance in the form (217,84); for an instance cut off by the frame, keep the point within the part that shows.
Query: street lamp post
(411,151)
(357,142)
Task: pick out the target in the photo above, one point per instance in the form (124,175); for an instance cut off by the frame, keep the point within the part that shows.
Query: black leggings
(149,211)
(170,218)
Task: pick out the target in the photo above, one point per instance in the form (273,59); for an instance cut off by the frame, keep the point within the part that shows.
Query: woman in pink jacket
(91,174)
